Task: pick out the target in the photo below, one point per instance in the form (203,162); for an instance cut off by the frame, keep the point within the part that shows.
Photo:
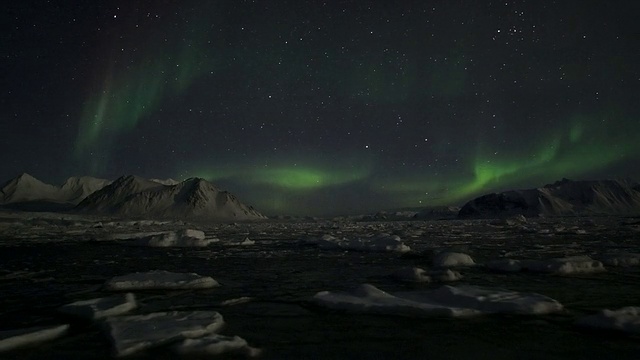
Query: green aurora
(365,94)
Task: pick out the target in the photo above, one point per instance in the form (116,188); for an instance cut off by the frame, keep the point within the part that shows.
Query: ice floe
(415,274)
(244,242)
(380,242)
(13,339)
(131,334)
(626,319)
(620,259)
(102,307)
(560,266)
(446,301)
(160,279)
(216,345)
(452,259)
(181,238)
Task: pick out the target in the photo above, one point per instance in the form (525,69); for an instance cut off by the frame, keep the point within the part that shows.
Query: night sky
(335,107)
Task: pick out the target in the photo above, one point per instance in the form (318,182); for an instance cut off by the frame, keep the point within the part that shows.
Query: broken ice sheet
(131,334)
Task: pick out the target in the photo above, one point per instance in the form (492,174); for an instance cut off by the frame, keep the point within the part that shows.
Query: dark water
(45,266)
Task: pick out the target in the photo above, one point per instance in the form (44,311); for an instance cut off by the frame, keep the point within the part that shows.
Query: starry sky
(324,107)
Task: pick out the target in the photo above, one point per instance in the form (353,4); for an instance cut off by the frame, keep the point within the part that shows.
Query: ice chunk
(236,301)
(449,301)
(415,274)
(369,299)
(560,266)
(102,307)
(12,339)
(445,275)
(412,274)
(380,242)
(488,300)
(564,266)
(182,238)
(160,279)
(452,259)
(620,259)
(504,265)
(244,242)
(626,319)
(216,345)
(131,334)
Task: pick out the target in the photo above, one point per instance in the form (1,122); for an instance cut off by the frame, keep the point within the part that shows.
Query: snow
(560,266)
(379,242)
(620,259)
(626,319)
(193,199)
(452,259)
(216,345)
(12,339)
(160,279)
(415,274)
(102,307)
(131,334)
(25,188)
(446,301)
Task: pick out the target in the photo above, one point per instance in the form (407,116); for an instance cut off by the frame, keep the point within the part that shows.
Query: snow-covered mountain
(192,199)
(25,191)
(562,198)
(166,181)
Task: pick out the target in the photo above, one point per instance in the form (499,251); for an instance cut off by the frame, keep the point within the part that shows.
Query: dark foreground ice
(267,288)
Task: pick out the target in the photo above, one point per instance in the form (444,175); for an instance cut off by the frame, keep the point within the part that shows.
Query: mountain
(75,189)
(192,199)
(562,198)
(28,193)
(166,181)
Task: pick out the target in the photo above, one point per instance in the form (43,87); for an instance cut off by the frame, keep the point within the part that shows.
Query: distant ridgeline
(562,198)
(128,196)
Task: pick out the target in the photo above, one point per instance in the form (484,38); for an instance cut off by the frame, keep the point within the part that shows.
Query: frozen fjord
(50,262)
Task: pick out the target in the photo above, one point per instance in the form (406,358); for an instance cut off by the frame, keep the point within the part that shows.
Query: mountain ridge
(561,198)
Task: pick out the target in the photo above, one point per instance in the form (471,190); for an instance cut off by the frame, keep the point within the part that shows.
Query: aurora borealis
(335,107)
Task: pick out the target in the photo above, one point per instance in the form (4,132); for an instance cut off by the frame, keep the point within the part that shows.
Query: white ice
(244,242)
(415,274)
(412,274)
(626,319)
(160,279)
(452,259)
(212,345)
(560,266)
(102,307)
(368,299)
(447,301)
(131,334)
(181,238)
(620,259)
(380,242)
(12,339)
